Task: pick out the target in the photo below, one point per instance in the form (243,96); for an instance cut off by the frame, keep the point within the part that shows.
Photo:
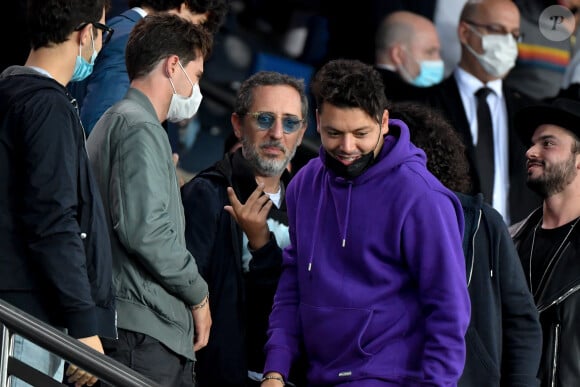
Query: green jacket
(155,277)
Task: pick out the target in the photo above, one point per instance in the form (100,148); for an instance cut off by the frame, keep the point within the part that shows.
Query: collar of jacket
(238,172)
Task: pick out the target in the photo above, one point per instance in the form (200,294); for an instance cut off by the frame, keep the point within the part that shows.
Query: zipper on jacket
(559,299)
(473,248)
(555,355)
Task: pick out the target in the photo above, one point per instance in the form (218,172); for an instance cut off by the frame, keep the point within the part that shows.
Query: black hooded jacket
(55,252)
(504,338)
(241,301)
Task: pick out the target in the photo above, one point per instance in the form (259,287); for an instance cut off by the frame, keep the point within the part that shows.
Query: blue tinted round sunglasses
(265,121)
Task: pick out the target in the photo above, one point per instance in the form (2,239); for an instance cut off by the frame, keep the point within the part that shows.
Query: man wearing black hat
(548,240)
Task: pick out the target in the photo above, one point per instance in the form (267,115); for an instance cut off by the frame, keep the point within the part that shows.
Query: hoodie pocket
(479,365)
(333,338)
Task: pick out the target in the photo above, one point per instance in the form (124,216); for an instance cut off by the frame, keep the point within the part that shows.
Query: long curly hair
(430,131)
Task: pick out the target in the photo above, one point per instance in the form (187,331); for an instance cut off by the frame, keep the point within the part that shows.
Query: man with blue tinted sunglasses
(236,226)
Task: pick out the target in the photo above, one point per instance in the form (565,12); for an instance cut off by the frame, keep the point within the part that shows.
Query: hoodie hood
(472,214)
(19,70)
(397,150)
(25,70)
(13,74)
(472,208)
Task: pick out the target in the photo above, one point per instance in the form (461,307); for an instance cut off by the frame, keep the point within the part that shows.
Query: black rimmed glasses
(496,29)
(107,31)
(265,121)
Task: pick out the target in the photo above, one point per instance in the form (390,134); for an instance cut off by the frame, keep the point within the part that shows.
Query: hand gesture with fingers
(252,215)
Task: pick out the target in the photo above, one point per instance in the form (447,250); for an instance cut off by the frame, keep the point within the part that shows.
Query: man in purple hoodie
(373,284)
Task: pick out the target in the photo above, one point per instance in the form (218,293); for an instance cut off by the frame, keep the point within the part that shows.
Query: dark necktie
(484,147)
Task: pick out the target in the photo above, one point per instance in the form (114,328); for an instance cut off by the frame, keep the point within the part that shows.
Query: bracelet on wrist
(201,304)
(278,378)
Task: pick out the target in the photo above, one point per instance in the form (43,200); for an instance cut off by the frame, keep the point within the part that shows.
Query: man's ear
(385,122)
(84,36)
(397,54)
(236,121)
(462,31)
(169,66)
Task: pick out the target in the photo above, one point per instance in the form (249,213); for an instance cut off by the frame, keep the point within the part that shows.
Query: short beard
(266,166)
(554,179)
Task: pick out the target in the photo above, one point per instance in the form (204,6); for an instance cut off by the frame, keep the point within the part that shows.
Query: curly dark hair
(348,83)
(430,131)
(216,9)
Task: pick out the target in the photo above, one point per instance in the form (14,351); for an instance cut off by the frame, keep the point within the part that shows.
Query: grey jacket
(155,277)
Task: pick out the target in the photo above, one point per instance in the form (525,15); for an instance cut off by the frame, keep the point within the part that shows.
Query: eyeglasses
(265,121)
(107,31)
(495,29)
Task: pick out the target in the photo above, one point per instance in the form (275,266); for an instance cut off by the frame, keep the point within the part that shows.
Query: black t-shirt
(546,245)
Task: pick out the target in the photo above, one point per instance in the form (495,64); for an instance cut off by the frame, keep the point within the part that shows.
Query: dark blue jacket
(109,81)
(55,254)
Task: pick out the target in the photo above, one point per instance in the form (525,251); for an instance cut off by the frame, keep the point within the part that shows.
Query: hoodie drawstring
(316,229)
(321,200)
(347,215)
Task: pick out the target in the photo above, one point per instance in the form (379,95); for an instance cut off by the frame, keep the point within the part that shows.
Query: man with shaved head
(481,107)
(407,55)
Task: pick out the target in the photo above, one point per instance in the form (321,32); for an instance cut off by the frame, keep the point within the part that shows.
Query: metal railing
(14,321)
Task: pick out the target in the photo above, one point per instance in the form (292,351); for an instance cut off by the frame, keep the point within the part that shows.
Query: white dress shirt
(468,85)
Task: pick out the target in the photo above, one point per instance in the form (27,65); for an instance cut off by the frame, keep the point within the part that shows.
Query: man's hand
(78,376)
(202,323)
(252,215)
(276,380)
(180,178)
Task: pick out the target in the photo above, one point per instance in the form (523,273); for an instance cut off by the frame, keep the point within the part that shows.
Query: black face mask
(354,169)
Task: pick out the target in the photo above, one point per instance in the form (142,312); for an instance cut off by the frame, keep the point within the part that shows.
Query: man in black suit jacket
(407,55)
(488,31)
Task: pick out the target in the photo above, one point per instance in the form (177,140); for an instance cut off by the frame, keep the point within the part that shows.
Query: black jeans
(150,358)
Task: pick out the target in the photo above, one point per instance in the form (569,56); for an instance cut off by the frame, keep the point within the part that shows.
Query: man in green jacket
(162,301)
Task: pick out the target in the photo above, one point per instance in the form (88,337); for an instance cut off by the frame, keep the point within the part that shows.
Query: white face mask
(499,53)
(183,108)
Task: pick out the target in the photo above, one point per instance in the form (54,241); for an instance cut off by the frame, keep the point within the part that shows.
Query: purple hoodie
(374,279)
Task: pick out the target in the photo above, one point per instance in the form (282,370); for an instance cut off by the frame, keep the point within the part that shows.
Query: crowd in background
(307,193)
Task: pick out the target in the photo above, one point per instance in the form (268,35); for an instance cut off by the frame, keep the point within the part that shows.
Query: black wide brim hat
(562,112)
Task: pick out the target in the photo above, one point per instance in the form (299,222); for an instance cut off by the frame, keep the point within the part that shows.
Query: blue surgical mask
(83,68)
(430,73)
